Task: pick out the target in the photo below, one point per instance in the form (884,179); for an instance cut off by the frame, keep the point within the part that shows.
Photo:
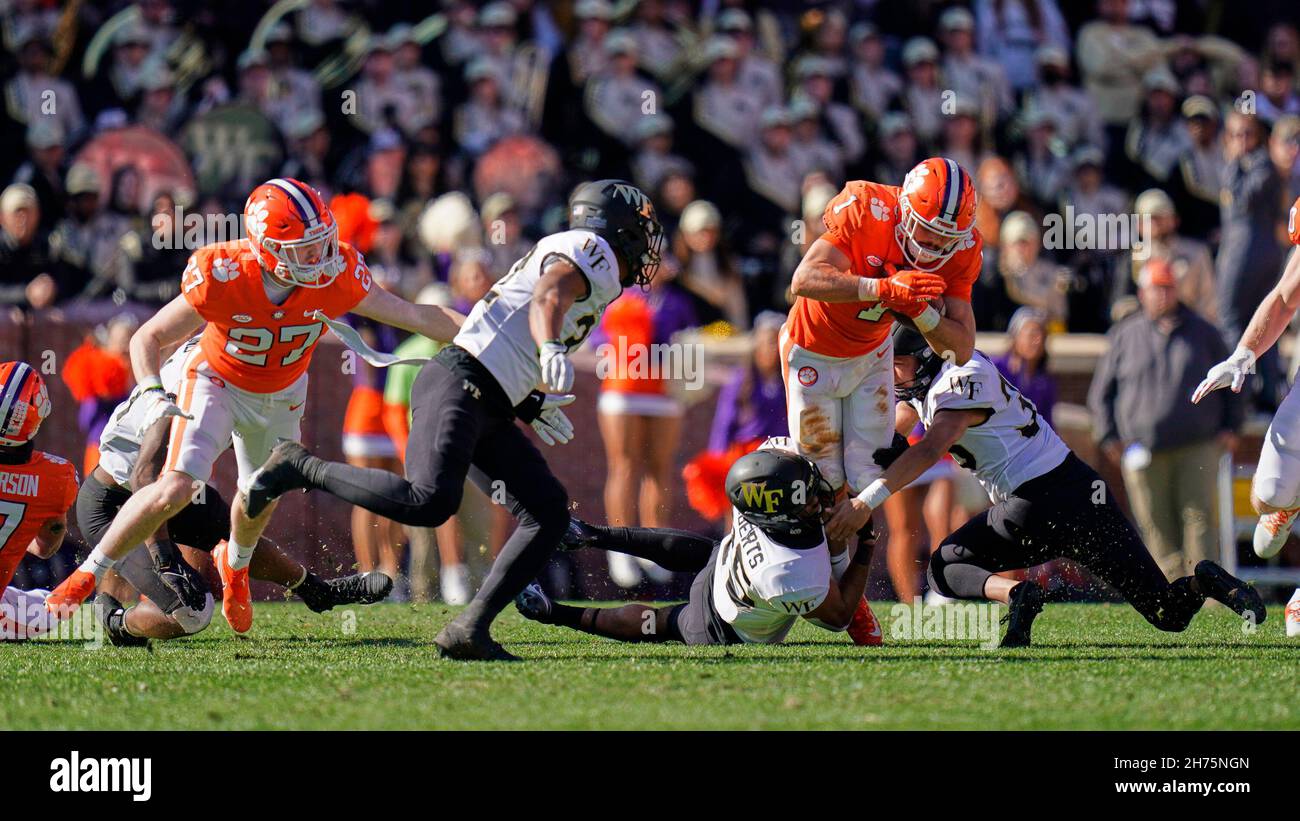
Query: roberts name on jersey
(1012,446)
(497,331)
(762,587)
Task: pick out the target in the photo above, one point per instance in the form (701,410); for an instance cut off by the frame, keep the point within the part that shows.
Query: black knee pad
(934,573)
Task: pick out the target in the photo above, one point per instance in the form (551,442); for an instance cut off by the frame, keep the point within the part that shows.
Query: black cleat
(533,604)
(1226,588)
(110,613)
(281,473)
(461,644)
(190,587)
(1026,603)
(578,535)
(361,588)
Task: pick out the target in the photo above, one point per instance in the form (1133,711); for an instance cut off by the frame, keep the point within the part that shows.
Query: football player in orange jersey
(246,383)
(36,490)
(888,252)
(1275,490)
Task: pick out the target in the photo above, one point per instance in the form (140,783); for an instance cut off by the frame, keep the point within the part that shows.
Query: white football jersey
(761,587)
(497,331)
(119,444)
(1008,449)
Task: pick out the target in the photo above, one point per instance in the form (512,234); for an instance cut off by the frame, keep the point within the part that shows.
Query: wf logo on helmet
(756,493)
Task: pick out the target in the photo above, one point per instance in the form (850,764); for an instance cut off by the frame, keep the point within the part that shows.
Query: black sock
(675,550)
(311,584)
(566,615)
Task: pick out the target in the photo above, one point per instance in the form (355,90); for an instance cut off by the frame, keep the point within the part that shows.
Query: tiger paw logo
(878,208)
(224,270)
(255,220)
(915,178)
(807,376)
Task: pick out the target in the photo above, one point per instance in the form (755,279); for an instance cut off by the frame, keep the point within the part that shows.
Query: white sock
(238,555)
(97,564)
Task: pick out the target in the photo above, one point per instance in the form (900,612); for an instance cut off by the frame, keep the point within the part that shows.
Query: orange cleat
(70,594)
(236,600)
(864,629)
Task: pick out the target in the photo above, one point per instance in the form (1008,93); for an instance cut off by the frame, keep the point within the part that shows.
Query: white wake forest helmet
(937,213)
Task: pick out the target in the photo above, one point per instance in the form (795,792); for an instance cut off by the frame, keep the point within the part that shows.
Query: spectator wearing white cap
(1041,163)
(1008,32)
(1157,137)
(499,44)
(963,139)
(1195,186)
(28,93)
(707,270)
(772,168)
(1055,95)
(816,83)
(873,86)
(586,54)
(1088,192)
(383,101)
(130,63)
(816,151)
(654,158)
(25,264)
(1031,280)
(974,78)
(617,97)
(1188,259)
(422,81)
(722,106)
(293,87)
(899,148)
(484,118)
(657,44)
(86,244)
(43,170)
(322,21)
(923,96)
(756,72)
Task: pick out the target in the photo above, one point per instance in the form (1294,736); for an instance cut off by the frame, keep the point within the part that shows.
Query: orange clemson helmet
(293,233)
(24,403)
(937,213)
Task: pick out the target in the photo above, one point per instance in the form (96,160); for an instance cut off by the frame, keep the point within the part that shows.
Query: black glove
(887,456)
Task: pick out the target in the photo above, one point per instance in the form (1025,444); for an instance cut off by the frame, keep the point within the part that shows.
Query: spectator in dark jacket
(25,264)
(1168,448)
(1250,257)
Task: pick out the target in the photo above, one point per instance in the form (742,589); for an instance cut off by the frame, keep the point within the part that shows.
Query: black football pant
(1066,513)
(463,425)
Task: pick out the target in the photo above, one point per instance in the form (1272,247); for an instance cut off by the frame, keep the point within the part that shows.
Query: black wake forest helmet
(621,213)
(780,493)
(908,341)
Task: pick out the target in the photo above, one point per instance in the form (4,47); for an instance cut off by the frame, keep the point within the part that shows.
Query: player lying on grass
(36,491)
(1047,503)
(258,301)
(1275,490)
(176,598)
(772,569)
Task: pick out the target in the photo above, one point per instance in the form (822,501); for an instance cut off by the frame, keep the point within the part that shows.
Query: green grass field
(1094,667)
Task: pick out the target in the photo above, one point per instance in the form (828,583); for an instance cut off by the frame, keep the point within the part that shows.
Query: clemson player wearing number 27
(888,252)
(246,382)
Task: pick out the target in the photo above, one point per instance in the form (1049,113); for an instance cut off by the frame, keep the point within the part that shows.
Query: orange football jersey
(861,222)
(30,495)
(250,341)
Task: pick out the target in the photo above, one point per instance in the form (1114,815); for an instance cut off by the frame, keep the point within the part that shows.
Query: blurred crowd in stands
(445,144)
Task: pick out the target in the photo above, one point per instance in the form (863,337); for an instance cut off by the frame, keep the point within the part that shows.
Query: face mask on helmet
(926,246)
(311,262)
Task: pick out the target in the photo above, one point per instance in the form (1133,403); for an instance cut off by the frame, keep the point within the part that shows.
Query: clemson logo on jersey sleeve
(878,208)
(224,270)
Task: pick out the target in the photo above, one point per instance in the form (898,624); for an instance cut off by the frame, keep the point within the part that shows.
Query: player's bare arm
(49,538)
(1266,326)
(836,610)
(954,337)
(174,322)
(560,285)
(824,274)
(949,425)
(434,321)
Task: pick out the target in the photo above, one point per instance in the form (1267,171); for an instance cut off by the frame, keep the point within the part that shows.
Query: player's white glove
(156,404)
(552,425)
(557,370)
(1230,373)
